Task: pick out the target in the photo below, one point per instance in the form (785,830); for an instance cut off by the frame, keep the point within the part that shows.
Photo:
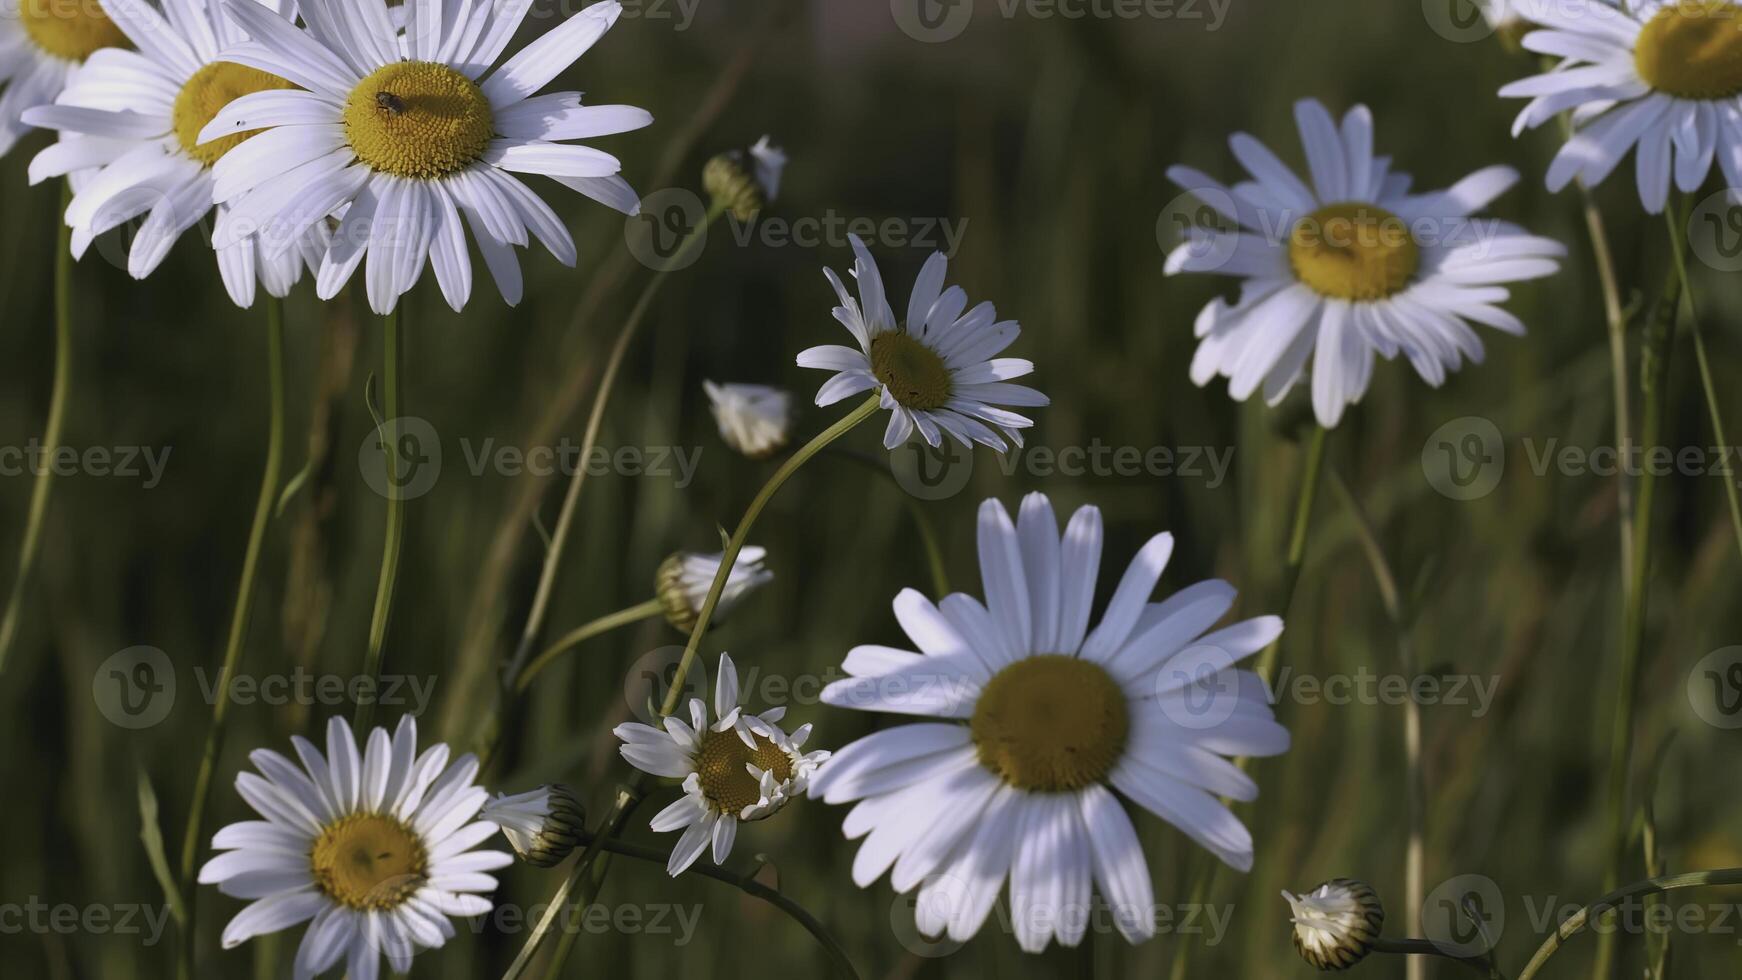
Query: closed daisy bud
(685,578)
(1336,923)
(743,183)
(542,826)
(755,420)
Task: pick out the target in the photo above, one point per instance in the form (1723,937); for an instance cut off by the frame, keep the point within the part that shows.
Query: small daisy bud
(1336,923)
(542,826)
(743,186)
(684,579)
(755,420)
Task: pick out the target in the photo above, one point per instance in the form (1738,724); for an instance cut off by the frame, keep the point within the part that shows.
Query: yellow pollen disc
(726,784)
(418,119)
(914,373)
(1353,252)
(1051,724)
(369,861)
(70,29)
(1692,49)
(205,94)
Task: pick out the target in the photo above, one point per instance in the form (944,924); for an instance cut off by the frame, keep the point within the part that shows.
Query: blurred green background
(1046,140)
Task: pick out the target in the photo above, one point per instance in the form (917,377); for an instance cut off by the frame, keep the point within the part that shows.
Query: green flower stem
(57,410)
(1266,665)
(394,536)
(1654,379)
(1650,886)
(612,825)
(928,533)
(559,538)
(1416,948)
(580,634)
(239,619)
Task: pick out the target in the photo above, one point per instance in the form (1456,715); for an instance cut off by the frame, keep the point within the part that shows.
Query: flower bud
(1336,923)
(542,826)
(684,579)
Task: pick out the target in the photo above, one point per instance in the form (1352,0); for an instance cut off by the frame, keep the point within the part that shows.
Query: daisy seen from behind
(132,119)
(937,373)
(375,847)
(755,420)
(414,139)
(1035,720)
(42,44)
(1349,265)
(743,767)
(1660,78)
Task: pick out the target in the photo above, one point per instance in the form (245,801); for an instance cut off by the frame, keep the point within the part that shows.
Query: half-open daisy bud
(684,579)
(1336,923)
(755,420)
(743,183)
(542,826)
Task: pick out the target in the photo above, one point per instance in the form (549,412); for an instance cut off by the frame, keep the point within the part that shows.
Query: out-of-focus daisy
(408,134)
(1662,77)
(683,581)
(1349,266)
(755,420)
(1336,923)
(1037,720)
(542,826)
(42,43)
(376,847)
(742,768)
(938,373)
(134,118)
(743,187)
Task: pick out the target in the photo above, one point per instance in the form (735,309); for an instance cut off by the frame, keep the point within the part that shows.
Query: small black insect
(390,103)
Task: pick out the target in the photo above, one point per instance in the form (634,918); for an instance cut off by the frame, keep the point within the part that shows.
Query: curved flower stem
(239,619)
(559,537)
(1422,947)
(394,536)
(630,795)
(580,634)
(928,533)
(1266,665)
(1415,790)
(57,410)
(1650,886)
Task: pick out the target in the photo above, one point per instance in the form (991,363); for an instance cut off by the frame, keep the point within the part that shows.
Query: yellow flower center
(1051,724)
(205,94)
(914,373)
(369,861)
(726,784)
(1692,49)
(418,119)
(1353,252)
(70,29)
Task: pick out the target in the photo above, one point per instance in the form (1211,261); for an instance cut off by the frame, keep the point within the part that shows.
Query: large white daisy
(134,117)
(1039,720)
(1348,266)
(406,133)
(1662,77)
(743,767)
(42,43)
(375,847)
(937,373)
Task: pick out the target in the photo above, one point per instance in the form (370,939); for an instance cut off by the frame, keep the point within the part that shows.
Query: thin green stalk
(1415,949)
(57,410)
(1731,492)
(928,533)
(627,798)
(580,634)
(1266,665)
(1655,383)
(1650,886)
(239,619)
(1415,789)
(394,535)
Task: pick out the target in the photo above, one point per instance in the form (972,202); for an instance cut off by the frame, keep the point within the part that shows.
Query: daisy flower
(683,581)
(542,826)
(376,847)
(743,186)
(937,373)
(1351,265)
(1336,923)
(42,44)
(1662,77)
(1035,721)
(742,768)
(755,420)
(133,119)
(407,135)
